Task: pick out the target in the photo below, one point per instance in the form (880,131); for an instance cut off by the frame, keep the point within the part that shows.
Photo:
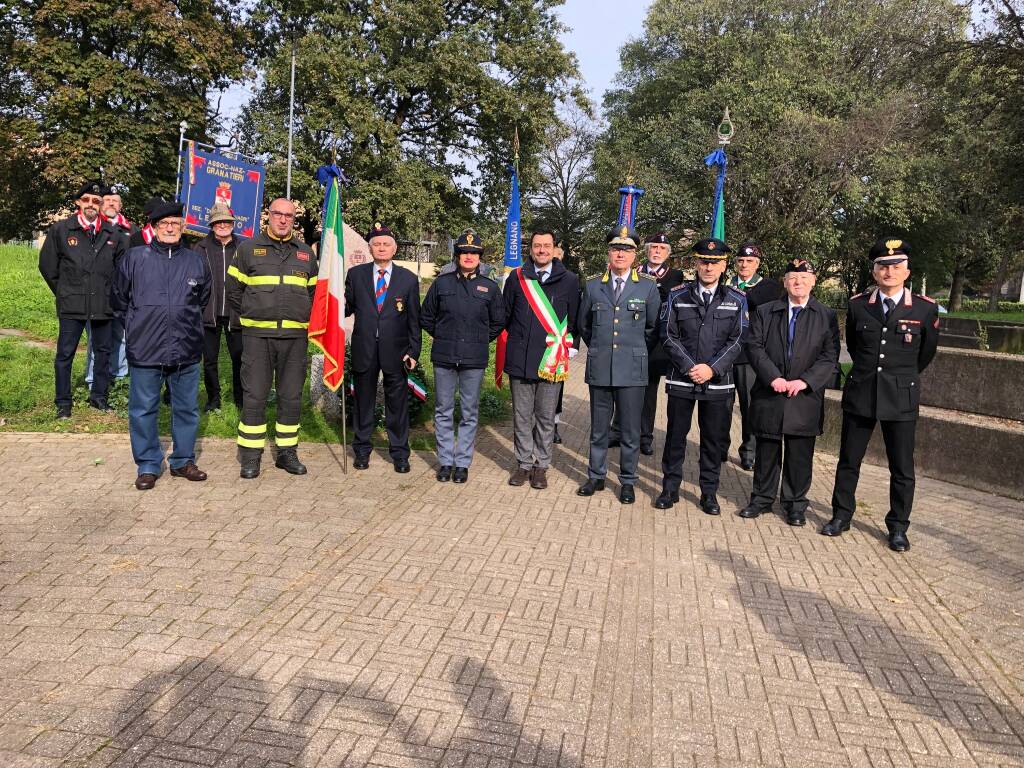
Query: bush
(981,305)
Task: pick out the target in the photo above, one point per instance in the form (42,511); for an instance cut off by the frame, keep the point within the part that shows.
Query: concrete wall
(975,382)
(965,333)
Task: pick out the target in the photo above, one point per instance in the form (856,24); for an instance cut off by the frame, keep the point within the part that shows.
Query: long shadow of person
(927,705)
(208,713)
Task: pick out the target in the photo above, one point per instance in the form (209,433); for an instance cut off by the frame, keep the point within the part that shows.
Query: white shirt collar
(896,299)
(802,306)
(387,271)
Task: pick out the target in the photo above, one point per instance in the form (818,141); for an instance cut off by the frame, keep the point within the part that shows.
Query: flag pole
(344,389)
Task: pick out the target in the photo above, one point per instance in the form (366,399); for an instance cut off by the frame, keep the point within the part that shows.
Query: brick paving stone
(383,620)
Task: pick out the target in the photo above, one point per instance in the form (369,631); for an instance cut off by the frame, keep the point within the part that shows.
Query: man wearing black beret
(892,335)
(77,262)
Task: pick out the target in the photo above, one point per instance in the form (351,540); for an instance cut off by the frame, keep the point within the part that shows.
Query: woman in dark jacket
(793,348)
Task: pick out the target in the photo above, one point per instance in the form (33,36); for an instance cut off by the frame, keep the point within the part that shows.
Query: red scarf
(122,222)
(147,234)
(90,228)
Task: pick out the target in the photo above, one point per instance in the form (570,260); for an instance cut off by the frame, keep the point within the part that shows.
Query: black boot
(250,460)
(288,460)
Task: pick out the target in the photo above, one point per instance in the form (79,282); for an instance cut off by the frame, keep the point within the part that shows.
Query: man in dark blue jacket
(160,290)
(464,312)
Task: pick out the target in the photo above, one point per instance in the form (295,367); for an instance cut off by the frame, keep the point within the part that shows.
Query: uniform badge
(908,338)
(302,256)
(300,273)
(482,288)
(72,241)
(259,251)
(399,304)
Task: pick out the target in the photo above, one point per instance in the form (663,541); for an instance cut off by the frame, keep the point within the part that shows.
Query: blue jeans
(144,409)
(118,353)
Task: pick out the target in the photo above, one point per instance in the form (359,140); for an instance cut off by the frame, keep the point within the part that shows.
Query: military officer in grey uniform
(618,320)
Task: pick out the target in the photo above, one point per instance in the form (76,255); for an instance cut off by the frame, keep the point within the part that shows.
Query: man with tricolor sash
(270,287)
(618,320)
(541,300)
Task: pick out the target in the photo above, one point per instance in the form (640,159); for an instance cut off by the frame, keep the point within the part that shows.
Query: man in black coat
(793,348)
(535,367)
(892,335)
(77,262)
(463,311)
(760,290)
(386,339)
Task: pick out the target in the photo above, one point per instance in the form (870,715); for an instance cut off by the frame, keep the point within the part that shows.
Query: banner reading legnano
(208,177)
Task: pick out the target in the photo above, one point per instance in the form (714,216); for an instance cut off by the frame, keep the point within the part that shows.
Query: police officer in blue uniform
(618,320)
(703,326)
(892,335)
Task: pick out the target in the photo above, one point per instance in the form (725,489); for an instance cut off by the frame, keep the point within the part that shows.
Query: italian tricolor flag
(325,321)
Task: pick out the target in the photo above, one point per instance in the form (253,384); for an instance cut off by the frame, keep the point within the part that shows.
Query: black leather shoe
(212,405)
(288,460)
(444,473)
(361,462)
(63,411)
(746,465)
(145,481)
(647,450)
(796,518)
(666,500)
(460,475)
(557,439)
(751,511)
(709,504)
(401,466)
(589,487)
(626,495)
(835,527)
(898,542)
(100,404)
(250,470)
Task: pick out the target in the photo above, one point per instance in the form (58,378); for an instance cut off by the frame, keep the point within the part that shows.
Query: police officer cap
(165,211)
(889,250)
(659,237)
(749,248)
(90,188)
(469,242)
(622,238)
(380,230)
(711,249)
(798,265)
(150,206)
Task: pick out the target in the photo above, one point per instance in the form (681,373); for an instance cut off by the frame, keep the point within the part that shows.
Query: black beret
(164,211)
(659,237)
(380,230)
(749,248)
(151,205)
(469,242)
(798,265)
(711,248)
(90,188)
(889,250)
(622,237)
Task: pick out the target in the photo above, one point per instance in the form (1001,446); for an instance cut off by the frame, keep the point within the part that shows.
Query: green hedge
(981,305)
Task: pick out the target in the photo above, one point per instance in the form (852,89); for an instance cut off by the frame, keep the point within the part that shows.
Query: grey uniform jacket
(619,334)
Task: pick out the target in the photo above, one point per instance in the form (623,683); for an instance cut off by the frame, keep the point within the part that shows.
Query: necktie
(618,288)
(890,305)
(542,275)
(382,288)
(706,298)
(792,329)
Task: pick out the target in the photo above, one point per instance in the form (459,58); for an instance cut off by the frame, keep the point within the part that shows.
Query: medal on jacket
(399,304)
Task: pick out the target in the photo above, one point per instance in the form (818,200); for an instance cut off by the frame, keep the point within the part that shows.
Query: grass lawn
(26,376)
(999,317)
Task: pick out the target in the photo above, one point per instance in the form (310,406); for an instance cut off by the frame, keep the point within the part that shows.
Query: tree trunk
(998,280)
(956,290)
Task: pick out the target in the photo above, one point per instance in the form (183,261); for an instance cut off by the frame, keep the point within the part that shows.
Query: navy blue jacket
(694,334)
(464,316)
(161,293)
(527,339)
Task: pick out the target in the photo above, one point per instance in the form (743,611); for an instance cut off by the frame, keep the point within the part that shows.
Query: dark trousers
(650,408)
(267,363)
(627,402)
(69,334)
(744,377)
(396,411)
(713,436)
(211,352)
(899,450)
(791,457)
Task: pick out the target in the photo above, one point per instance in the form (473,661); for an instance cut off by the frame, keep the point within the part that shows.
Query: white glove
(573,352)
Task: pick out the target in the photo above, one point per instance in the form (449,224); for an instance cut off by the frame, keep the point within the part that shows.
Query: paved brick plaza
(389,620)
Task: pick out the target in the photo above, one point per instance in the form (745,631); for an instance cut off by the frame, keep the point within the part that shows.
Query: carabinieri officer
(704,326)
(892,335)
(618,320)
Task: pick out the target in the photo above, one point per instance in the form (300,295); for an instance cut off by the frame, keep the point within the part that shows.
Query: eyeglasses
(91,200)
(168,224)
(282,215)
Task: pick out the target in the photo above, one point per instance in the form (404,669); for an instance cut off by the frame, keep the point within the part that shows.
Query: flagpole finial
(631,172)
(725,129)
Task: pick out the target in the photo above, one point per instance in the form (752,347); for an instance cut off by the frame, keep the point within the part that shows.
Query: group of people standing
(773,346)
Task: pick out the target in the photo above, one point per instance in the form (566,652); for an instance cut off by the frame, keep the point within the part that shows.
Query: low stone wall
(975,382)
(970,450)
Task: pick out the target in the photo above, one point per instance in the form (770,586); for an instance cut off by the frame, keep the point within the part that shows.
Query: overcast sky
(598,28)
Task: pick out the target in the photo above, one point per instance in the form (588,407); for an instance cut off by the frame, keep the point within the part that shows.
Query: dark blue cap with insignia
(469,242)
(622,238)
(90,188)
(380,230)
(749,248)
(659,237)
(798,265)
(711,249)
(889,250)
(165,211)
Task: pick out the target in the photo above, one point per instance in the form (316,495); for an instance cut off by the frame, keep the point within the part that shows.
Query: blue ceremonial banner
(628,204)
(513,235)
(209,176)
(718,210)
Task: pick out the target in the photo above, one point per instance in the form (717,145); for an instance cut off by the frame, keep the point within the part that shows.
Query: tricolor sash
(554,363)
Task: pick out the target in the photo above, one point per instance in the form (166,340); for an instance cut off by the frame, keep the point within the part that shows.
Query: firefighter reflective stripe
(311,281)
(245,279)
(286,435)
(293,324)
(263,280)
(252,436)
(293,280)
(250,323)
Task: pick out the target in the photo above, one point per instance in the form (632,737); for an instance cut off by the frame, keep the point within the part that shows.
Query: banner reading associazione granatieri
(209,177)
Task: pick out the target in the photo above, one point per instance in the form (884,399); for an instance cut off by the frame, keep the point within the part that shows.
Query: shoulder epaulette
(734,289)
(652,278)
(926,298)
(858,296)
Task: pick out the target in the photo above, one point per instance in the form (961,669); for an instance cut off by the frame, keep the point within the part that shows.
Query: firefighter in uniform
(892,335)
(270,286)
(703,328)
(618,320)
